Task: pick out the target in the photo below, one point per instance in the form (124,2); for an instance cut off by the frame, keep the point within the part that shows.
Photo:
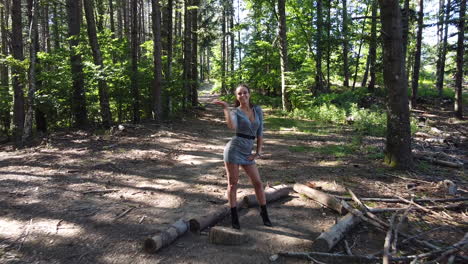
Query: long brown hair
(236,102)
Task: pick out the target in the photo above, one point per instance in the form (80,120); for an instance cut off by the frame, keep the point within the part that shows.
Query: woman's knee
(257,183)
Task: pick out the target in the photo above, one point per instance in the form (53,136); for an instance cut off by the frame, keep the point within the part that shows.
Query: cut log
(226,236)
(328,239)
(456,165)
(153,244)
(199,223)
(323,198)
(272,194)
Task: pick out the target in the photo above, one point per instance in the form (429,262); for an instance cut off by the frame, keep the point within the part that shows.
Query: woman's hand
(221,103)
(253,156)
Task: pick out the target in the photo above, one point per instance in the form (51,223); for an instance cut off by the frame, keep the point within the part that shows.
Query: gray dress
(238,149)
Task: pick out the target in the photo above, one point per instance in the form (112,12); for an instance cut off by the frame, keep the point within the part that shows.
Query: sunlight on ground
(38,226)
(197,160)
(330,163)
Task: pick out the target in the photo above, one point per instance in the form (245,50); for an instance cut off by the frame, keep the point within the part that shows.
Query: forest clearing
(62,200)
(112,136)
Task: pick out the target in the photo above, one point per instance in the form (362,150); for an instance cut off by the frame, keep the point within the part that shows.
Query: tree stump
(328,239)
(226,236)
(153,244)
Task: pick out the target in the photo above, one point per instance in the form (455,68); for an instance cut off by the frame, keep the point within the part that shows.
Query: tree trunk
(329,42)
(97,56)
(5,104)
(111,17)
(345,45)
(417,56)
(366,72)
(373,47)
(239,48)
(33,48)
(318,56)
(398,143)
(194,60)
(17,73)
(45,28)
(223,50)
(405,26)
(443,52)
(283,54)
(168,38)
(156,91)
(134,84)
(359,49)
(458,106)
(79,99)
(187,53)
(55,27)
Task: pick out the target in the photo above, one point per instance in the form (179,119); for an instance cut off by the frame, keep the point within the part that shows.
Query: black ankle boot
(264,214)
(235,218)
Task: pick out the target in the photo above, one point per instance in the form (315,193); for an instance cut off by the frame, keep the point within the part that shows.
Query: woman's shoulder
(258,108)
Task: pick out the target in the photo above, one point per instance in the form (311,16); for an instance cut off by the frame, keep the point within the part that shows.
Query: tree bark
(321,197)
(55,27)
(97,56)
(417,56)
(5,104)
(359,49)
(187,53)
(156,91)
(405,26)
(442,50)
(17,52)
(223,49)
(373,47)
(194,52)
(329,238)
(398,143)
(458,106)
(318,55)
(345,44)
(79,99)
(283,54)
(33,48)
(134,84)
(111,17)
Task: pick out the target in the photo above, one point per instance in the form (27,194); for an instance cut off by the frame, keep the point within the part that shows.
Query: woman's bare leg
(254,176)
(232,171)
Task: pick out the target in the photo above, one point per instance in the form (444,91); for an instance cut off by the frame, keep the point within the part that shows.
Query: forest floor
(163,173)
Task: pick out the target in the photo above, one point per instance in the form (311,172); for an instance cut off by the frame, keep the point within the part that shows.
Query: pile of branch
(393,228)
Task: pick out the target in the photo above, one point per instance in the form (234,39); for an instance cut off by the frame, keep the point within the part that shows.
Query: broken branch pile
(403,242)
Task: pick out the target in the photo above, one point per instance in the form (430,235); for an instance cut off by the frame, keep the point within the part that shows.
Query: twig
(395,200)
(141,219)
(124,213)
(25,235)
(422,234)
(101,191)
(57,226)
(347,248)
(460,245)
(388,241)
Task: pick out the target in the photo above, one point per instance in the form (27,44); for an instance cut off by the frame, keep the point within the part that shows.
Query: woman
(247,121)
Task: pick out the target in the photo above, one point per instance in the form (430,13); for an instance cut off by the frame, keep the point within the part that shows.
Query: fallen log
(396,200)
(197,224)
(325,199)
(455,206)
(456,165)
(328,239)
(153,244)
(272,194)
(226,236)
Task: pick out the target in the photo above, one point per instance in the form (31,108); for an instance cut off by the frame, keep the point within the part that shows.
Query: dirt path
(164,173)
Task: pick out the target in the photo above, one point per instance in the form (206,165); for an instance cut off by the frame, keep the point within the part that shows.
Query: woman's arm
(258,153)
(227,115)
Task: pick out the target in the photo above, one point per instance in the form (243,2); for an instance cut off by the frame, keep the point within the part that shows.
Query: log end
(149,245)
(194,226)
(320,245)
(226,236)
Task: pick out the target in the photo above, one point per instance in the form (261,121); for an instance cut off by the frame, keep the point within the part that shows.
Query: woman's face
(242,95)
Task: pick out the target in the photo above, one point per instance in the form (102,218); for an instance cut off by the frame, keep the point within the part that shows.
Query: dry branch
(388,241)
(124,213)
(272,194)
(328,239)
(101,191)
(396,200)
(321,197)
(455,206)
(153,244)
(445,163)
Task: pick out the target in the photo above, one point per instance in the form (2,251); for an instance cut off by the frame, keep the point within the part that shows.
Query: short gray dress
(238,149)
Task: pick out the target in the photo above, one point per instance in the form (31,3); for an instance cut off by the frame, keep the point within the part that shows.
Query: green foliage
(338,151)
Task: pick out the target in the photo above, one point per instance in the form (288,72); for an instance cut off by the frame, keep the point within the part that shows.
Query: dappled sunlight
(330,163)
(16,229)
